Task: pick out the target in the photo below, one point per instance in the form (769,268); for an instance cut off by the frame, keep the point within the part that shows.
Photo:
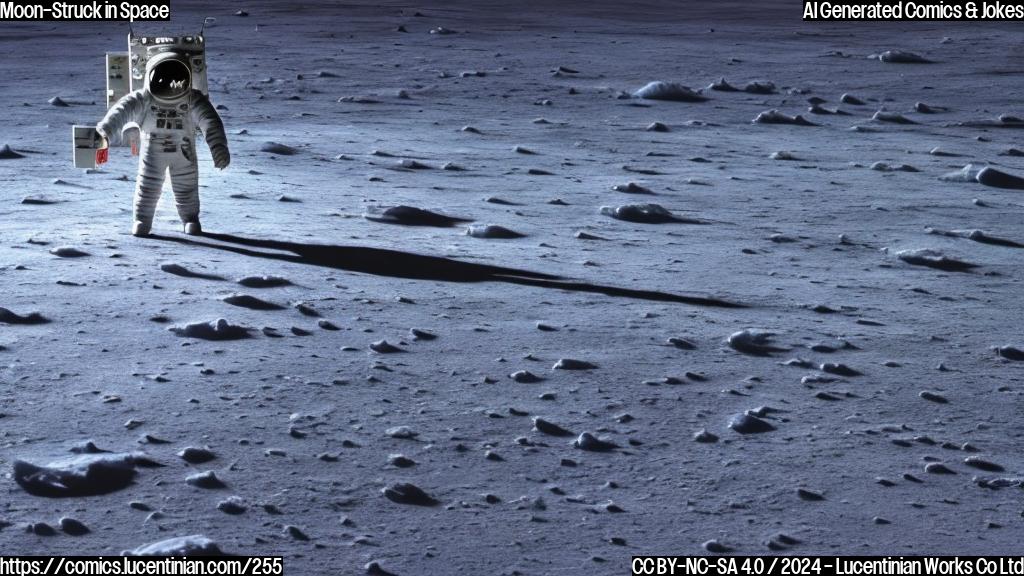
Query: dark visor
(169,79)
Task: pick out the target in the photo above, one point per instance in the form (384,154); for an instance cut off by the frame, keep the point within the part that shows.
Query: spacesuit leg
(148,185)
(185,184)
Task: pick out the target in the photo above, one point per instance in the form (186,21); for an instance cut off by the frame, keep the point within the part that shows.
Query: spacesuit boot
(167,112)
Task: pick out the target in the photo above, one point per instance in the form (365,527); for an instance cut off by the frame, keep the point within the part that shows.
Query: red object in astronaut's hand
(102,155)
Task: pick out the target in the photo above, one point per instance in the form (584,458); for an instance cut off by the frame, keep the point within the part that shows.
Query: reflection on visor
(169,80)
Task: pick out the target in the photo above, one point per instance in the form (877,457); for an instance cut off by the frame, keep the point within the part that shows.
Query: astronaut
(167,111)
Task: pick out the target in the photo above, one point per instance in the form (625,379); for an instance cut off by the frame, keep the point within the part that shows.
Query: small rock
(402,432)
(384,347)
(68,252)
(550,428)
(809,495)
(278,148)
(73,527)
(938,468)
(682,343)
(525,377)
(420,334)
(401,461)
(7,153)
(571,364)
(195,545)
(591,443)
(42,529)
(194,455)
(981,464)
(749,424)
(716,547)
(933,397)
(705,437)
(406,493)
(327,325)
(208,480)
(233,505)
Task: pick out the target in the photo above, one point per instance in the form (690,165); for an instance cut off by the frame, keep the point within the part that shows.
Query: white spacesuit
(167,111)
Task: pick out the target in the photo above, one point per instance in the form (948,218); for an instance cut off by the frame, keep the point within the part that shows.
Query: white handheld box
(85,141)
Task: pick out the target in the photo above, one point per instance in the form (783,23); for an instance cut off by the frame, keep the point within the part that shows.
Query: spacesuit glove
(102,147)
(221,157)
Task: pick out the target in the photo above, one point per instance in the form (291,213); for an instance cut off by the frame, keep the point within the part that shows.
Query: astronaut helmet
(168,76)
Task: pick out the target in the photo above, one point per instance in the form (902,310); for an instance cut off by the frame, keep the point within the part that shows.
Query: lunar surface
(523,288)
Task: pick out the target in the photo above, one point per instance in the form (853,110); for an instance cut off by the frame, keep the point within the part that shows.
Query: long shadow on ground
(398,264)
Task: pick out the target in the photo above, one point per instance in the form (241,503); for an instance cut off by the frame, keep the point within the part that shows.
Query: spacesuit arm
(205,116)
(128,109)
